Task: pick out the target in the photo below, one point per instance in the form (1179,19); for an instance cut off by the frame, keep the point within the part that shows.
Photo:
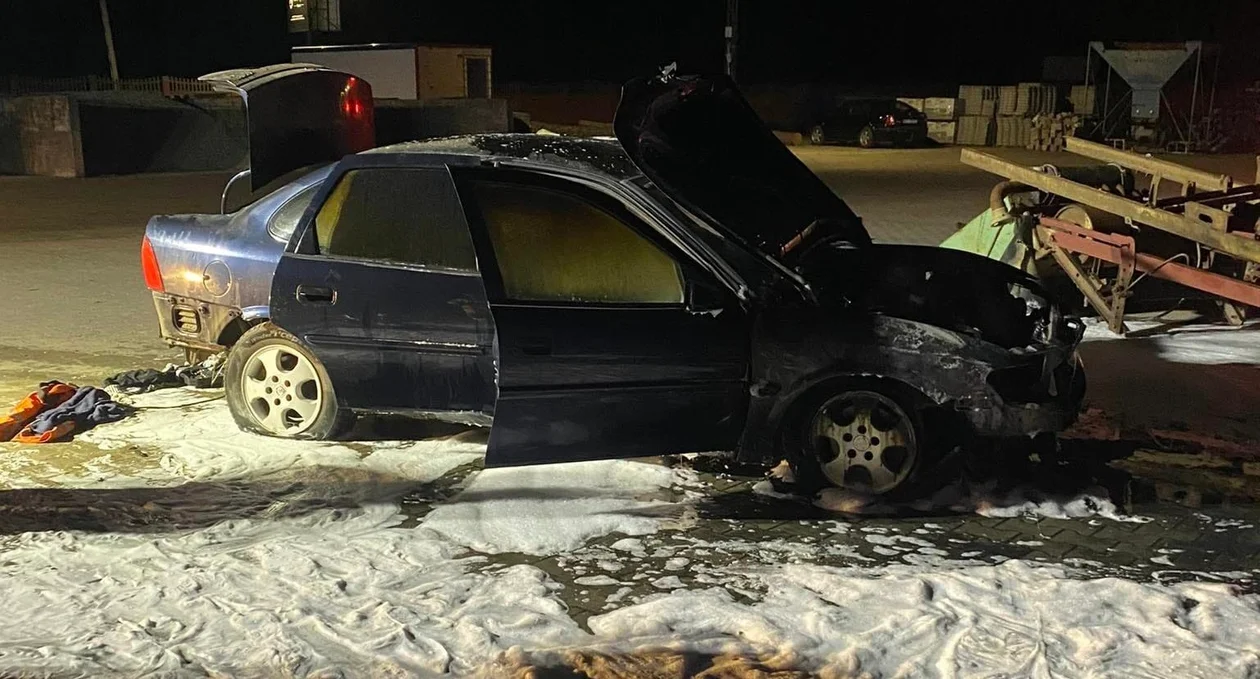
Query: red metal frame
(1121,250)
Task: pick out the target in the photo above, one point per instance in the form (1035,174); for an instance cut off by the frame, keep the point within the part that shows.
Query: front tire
(863,436)
(276,386)
(817,135)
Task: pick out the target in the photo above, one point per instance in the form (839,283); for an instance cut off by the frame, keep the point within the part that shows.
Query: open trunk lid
(299,115)
(701,142)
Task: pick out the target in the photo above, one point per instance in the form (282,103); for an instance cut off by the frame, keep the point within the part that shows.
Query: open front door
(611,342)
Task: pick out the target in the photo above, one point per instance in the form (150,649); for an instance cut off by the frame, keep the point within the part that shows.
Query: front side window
(556,247)
(405,216)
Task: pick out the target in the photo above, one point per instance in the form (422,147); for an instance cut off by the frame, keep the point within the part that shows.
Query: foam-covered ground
(404,558)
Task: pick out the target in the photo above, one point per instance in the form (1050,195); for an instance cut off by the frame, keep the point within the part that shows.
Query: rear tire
(275,386)
(817,135)
(865,436)
(866,138)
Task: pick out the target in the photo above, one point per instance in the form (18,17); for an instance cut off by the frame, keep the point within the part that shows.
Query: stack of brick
(1049,132)
(1017,104)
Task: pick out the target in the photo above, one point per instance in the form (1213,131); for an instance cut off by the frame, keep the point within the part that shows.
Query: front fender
(790,362)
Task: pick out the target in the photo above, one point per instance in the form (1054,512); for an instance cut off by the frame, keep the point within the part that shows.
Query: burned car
(689,287)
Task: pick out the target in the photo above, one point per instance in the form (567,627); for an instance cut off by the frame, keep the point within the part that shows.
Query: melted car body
(688,287)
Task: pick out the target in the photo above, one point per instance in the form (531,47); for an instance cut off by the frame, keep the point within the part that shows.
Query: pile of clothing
(57,411)
(205,375)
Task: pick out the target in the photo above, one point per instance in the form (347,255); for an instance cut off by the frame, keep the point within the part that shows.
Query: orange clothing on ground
(49,396)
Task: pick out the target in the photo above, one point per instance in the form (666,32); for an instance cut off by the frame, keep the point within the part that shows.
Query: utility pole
(732,35)
(109,44)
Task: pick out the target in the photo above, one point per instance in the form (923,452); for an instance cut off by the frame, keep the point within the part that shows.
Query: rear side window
(404,216)
(860,109)
(556,247)
(285,220)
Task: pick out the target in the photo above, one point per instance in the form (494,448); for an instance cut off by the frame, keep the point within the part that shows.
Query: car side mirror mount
(703,297)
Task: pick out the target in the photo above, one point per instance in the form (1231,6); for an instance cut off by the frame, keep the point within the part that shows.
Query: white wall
(391,72)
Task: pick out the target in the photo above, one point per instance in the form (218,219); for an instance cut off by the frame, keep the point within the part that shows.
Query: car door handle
(316,295)
(536,346)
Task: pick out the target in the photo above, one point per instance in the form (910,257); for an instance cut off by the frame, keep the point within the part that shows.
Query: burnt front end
(1030,391)
(985,345)
(1015,369)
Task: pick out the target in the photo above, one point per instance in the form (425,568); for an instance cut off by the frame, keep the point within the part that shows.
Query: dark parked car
(868,122)
(693,287)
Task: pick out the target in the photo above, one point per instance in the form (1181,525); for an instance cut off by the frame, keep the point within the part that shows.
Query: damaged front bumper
(1038,391)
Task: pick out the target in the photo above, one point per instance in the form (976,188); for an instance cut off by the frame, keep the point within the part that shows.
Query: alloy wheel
(864,441)
(282,390)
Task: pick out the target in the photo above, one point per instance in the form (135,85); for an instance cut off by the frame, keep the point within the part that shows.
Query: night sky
(839,41)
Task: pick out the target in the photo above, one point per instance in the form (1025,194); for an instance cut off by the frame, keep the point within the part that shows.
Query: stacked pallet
(1011,131)
(941,108)
(975,130)
(1008,100)
(975,107)
(1017,104)
(943,131)
(915,103)
(977,100)
(1032,99)
(1050,132)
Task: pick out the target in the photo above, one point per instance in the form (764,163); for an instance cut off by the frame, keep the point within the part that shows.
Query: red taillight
(890,120)
(353,102)
(149,264)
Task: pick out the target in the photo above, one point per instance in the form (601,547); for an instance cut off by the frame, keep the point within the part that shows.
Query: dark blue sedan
(690,286)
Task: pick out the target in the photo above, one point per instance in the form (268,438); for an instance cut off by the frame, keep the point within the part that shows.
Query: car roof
(598,155)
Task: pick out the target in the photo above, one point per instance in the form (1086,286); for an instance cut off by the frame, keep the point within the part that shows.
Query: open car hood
(299,115)
(701,142)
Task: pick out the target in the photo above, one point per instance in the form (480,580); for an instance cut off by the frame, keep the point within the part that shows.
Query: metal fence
(163,85)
